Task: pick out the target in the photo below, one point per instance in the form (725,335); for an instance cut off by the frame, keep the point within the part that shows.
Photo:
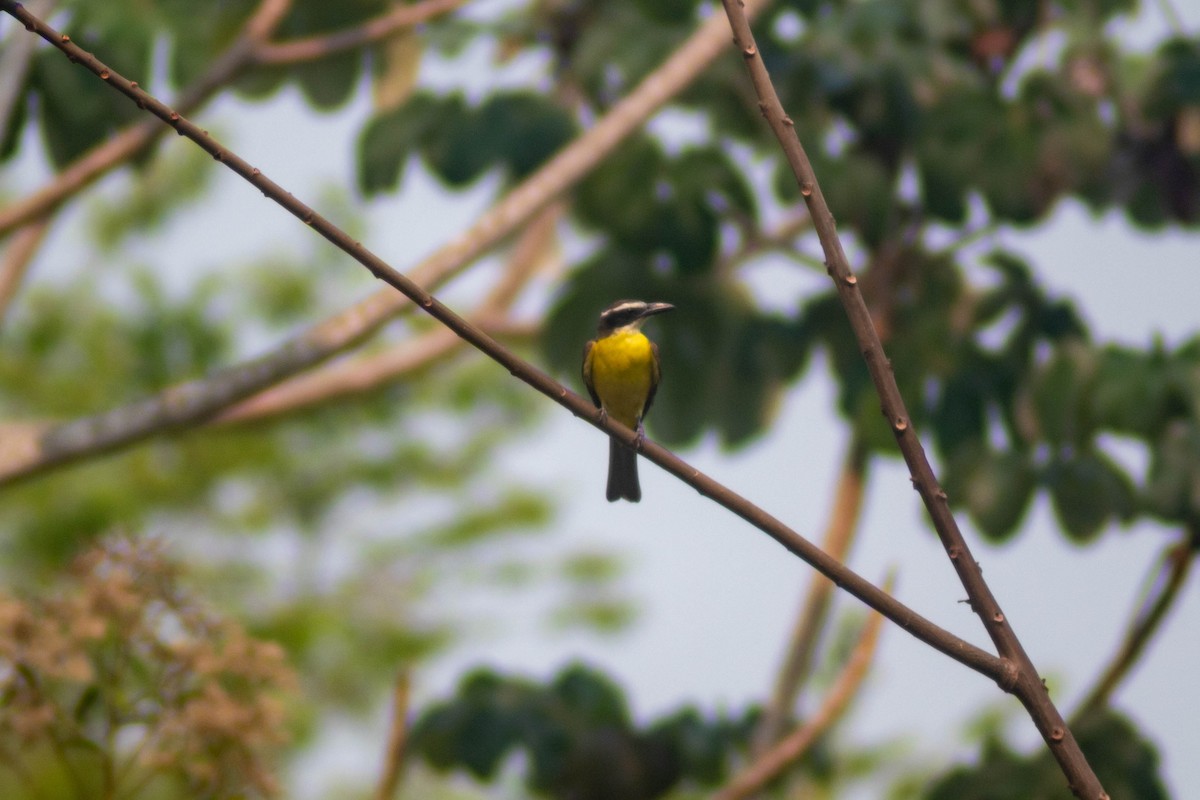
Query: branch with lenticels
(1021,678)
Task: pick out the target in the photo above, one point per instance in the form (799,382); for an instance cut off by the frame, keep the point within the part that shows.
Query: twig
(26,450)
(940,639)
(810,623)
(17,257)
(1020,677)
(374,30)
(1176,564)
(1171,15)
(397,745)
(782,755)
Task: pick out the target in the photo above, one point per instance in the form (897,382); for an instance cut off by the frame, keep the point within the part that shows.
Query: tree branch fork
(1020,677)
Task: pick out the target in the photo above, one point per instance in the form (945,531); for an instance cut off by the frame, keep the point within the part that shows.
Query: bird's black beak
(657,308)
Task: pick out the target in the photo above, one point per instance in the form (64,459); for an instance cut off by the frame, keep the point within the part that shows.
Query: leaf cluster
(1125,762)
(578,735)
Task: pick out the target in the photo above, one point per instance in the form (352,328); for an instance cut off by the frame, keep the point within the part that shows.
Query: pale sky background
(717,597)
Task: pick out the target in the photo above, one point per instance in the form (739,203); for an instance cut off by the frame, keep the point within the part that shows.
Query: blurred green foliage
(1126,764)
(578,735)
(926,120)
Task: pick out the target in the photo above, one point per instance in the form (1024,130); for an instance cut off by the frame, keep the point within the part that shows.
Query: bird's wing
(587,372)
(655,375)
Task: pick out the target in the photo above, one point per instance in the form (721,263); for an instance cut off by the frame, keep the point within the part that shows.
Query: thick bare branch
(27,449)
(1021,677)
(562,165)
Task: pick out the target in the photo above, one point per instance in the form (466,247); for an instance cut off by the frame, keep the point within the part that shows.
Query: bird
(621,371)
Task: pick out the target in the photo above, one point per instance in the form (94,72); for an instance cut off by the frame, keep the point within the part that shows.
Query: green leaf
(595,568)
(955,135)
(76,112)
(1131,391)
(600,615)
(329,82)
(1124,761)
(667,11)
(759,353)
(462,149)
(389,140)
(591,696)
(859,189)
(525,129)
(1060,394)
(619,198)
(200,33)
(960,414)
(709,174)
(1088,490)
(1173,484)
(998,492)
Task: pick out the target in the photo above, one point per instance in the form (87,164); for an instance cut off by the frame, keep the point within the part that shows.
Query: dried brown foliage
(122,684)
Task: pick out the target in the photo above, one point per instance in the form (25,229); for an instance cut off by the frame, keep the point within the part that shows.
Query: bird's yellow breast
(622,373)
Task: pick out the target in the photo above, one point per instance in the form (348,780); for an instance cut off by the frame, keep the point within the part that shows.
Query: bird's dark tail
(622,473)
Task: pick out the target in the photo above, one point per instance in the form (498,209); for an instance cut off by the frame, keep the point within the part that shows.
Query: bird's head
(628,315)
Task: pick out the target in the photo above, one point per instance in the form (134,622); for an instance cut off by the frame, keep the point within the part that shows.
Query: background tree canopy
(385,507)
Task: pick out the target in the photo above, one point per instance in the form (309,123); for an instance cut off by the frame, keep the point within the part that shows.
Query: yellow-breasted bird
(621,371)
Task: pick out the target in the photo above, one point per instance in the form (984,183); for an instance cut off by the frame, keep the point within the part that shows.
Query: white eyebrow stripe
(623,308)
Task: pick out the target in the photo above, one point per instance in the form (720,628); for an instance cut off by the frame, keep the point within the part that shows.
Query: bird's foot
(640,442)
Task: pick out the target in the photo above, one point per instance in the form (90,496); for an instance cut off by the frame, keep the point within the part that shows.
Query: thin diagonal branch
(921,628)
(1022,679)
(1175,567)
(28,449)
(788,750)
(397,746)
(810,623)
(369,32)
